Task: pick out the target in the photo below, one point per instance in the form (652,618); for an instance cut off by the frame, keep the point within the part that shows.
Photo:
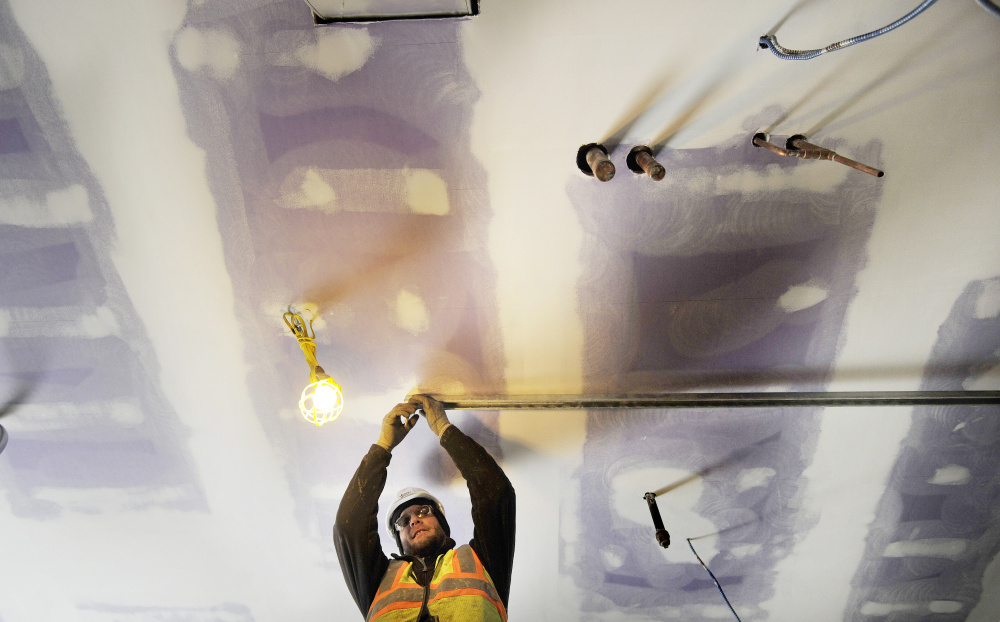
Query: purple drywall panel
(405,109)
(944,489)
(90,413)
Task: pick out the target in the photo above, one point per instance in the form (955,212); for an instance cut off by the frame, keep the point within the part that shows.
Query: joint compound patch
(331,53)
(217,51)
(397,191)
(799,297)
(410,312)
(988,303)
(68,206)
(426,192)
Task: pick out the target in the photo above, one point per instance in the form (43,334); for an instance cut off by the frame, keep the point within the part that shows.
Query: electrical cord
(771,42)
(714,579)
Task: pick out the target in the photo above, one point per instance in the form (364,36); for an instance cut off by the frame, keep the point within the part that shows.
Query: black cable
(714,579)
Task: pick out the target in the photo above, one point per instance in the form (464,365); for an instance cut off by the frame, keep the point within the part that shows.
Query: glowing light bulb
(325,397)
(321,402)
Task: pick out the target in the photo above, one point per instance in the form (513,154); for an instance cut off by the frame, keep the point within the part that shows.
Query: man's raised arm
(355,532)
(493,502)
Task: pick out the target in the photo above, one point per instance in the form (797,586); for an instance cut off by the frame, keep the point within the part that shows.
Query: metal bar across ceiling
(724,400)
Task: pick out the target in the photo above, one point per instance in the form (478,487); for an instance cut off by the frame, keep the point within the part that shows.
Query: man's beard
(427,547)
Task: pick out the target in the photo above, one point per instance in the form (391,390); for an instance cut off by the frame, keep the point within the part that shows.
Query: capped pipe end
(592,159)
(630,159)
(663,538)
(640,161)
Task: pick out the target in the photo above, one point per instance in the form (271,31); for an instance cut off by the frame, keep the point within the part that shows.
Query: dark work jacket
(355,533)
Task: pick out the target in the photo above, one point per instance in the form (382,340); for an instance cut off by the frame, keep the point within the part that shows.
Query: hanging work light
(322,400)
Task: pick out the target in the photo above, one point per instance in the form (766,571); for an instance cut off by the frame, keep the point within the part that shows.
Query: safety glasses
(419,511)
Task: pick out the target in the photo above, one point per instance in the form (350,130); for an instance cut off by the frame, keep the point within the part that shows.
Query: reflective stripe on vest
(459,588)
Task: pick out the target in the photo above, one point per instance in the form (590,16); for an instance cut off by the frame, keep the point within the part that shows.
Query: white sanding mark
(335,52)
(11,66)
(613,556)
(410,312)
(69,416)
(316,192)
(107,500)
(101,323)
(988,303)
(678,508)
(814,176)
(69,206)
(951,475)
(753,478)
(986,381)
(799,297)
(426,192)
(883,609)
(744,550)
(399,191)
(58,322)
(959,426)
(950,548)
(216,50)
(945,606)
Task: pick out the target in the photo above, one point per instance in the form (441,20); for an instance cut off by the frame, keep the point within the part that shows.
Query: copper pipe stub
(640,160)
(593,160)
(811,151)
(797,147)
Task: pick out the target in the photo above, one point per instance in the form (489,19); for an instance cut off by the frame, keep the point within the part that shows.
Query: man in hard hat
(433,580)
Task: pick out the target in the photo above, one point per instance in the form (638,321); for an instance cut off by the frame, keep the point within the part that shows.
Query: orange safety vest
(460,589)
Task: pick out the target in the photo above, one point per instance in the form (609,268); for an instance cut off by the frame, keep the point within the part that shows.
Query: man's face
(421,535)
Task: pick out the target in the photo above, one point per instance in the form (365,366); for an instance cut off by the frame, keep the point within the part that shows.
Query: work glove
(434,411)
(397,424)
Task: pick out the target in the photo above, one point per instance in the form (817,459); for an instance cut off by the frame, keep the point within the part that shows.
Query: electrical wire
(714,579)
(990,6)
(771,42)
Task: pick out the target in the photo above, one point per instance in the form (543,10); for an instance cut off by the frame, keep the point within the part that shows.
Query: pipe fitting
(640,160)
(593,160)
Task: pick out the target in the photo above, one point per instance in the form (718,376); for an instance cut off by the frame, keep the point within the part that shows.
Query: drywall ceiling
(173,176)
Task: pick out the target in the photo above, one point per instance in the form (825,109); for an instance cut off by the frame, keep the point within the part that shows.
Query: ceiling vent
(332,11)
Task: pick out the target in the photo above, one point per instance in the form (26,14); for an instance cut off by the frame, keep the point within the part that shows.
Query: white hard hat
(405,497)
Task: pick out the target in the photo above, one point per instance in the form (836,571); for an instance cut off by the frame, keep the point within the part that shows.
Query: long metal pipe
(724,400)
